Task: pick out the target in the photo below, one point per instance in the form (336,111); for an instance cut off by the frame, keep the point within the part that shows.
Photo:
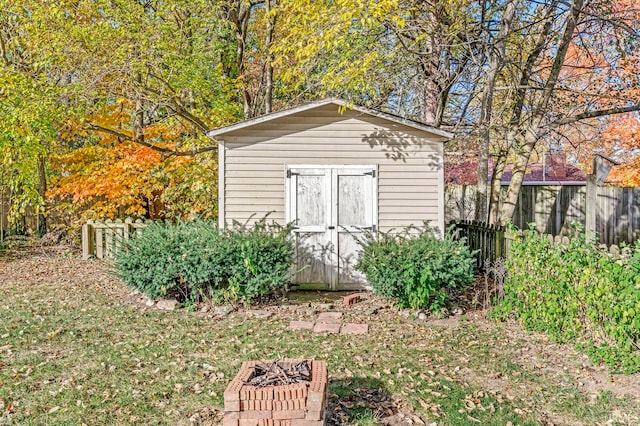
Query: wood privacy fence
(553,208)
(104,239)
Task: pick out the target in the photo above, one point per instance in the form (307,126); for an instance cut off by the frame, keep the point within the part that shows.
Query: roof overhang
(221,131)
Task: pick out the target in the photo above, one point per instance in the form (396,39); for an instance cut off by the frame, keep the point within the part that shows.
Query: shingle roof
(465,173)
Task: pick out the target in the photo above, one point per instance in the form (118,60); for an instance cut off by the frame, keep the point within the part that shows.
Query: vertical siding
(409,164)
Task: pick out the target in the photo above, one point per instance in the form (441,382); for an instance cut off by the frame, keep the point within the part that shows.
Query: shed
(337,171)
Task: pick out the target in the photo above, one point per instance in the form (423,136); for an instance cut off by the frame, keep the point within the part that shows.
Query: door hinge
(290,173)
(372,173)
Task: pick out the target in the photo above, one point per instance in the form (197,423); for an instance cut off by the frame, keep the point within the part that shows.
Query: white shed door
(331,207)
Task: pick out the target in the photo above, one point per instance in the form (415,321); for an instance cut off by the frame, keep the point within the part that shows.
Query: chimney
(556,166)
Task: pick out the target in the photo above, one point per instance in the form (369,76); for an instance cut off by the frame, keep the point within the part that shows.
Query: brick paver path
(329,322)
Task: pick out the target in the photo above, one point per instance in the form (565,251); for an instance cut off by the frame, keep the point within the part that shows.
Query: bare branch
(594,114)
(165,151)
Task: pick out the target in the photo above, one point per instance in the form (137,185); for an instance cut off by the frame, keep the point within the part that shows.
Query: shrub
(416,269)
(191,260)
(577,293)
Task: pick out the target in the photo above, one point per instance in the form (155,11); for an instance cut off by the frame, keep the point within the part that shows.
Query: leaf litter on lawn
(74,340)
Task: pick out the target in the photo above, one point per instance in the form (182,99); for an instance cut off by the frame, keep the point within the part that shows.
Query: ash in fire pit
(279,373)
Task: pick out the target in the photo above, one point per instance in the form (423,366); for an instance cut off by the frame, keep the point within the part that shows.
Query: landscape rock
(167,304)
(325,306)
(223,310)
(149,302)
(259,314)
(422,316)
(457,311)
(373,311)
(205,308)
(305,310)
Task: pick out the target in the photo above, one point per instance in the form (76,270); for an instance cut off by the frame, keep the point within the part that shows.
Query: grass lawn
(75,350)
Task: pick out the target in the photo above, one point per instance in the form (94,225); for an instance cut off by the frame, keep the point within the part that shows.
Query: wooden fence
(553,208)
(491,242)
(104,239)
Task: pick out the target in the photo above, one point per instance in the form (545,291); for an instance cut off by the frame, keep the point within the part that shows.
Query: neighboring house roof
(466,173)
(317,104)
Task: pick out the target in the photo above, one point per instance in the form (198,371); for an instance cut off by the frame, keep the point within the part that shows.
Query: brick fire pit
(299,404)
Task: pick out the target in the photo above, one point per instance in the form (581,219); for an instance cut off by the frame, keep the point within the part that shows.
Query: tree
(161,63)
(507,75)
(584,28)
(402,55)
(110,177)
(30,111)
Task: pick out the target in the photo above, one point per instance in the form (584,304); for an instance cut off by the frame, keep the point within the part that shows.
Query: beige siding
(408,163)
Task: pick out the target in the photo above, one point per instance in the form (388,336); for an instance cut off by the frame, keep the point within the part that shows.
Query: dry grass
(75,350)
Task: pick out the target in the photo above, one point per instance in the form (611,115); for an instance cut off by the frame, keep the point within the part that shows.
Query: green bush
(416,269)
(577,293)
(192,260)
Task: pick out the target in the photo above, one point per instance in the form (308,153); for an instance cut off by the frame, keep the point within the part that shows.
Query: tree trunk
(138,125)
(496,62)
(269,62)
(517,177)
(496,189)
(532,132)
(42,190)
(430,102)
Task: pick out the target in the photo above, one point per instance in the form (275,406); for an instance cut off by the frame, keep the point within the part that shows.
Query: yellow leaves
(53,334)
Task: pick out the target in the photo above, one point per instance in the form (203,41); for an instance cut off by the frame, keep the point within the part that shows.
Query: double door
(332,207)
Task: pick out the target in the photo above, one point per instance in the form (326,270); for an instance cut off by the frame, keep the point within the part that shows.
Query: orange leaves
(623,132)
(109,181)
(627,174)
(623,135)
(111,176)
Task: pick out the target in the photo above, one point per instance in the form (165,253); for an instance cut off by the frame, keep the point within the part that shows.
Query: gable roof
(317,104)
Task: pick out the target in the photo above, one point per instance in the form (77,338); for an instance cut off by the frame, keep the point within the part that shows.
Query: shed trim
(221,184)
(339,102)
(441,191)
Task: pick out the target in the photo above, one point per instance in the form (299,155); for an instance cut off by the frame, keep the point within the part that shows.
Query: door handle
(331,227)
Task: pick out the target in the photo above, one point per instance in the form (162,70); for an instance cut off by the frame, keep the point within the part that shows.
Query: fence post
(591,206)
(138,225)
(128,228)
(108,239)
(87,240)
(118,233)
(500,242)
(99,242)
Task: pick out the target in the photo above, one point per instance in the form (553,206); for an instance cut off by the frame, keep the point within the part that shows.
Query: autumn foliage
(110,177)
(106,105)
